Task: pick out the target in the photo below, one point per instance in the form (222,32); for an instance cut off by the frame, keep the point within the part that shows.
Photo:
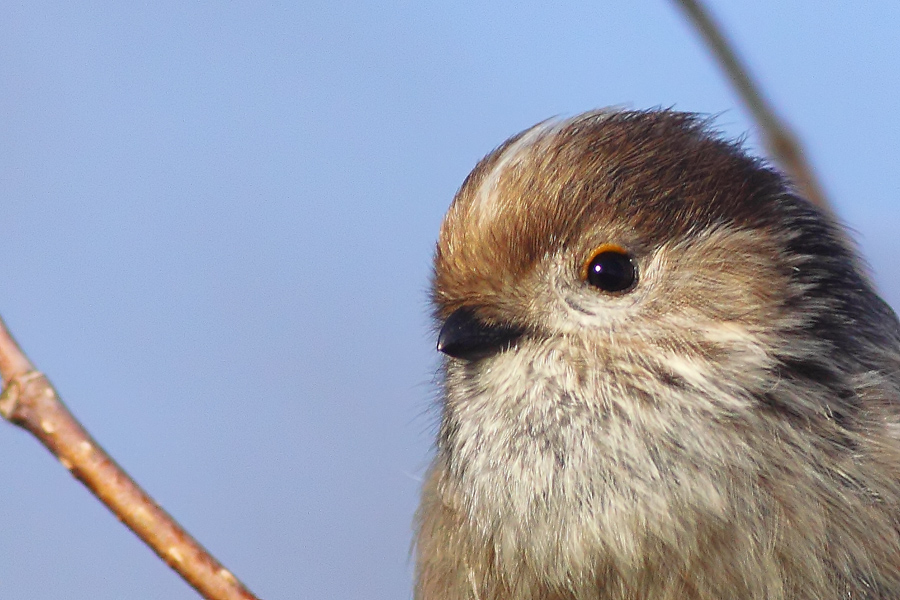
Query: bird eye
(610,269)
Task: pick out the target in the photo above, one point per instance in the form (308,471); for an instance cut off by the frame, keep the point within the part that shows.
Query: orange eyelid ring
(607,247)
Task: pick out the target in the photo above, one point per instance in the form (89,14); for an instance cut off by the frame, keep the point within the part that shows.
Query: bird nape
(666,376)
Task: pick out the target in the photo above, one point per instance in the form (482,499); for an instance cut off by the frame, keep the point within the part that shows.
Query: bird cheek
(726,278)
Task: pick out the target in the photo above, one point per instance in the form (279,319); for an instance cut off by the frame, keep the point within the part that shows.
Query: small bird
(666,376)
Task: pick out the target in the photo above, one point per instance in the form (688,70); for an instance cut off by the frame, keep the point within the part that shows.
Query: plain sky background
(216,231)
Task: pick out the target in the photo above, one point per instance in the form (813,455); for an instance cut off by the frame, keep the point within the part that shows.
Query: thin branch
(30,401)
(782,144)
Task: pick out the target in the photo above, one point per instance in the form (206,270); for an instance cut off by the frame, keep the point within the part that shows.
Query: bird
(665,375)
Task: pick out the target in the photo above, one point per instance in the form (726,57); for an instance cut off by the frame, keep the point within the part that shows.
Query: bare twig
(782,144)
(29,401)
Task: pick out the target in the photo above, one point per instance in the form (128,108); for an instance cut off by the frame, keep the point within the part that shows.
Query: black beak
(465,336)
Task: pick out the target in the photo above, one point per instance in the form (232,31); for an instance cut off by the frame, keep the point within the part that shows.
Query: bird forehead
(504,221)
(523,201)
(499,189)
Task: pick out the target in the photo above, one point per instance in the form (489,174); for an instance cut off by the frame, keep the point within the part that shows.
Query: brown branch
(782,144)
(29,401)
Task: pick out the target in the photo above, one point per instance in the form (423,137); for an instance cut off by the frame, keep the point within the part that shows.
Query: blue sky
(217,228)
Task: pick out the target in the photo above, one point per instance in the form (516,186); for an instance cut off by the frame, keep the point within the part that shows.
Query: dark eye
(610,269)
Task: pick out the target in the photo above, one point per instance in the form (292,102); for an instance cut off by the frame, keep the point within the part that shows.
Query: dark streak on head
(660,175)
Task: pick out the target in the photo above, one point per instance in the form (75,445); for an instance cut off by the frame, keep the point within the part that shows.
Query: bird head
(641,323)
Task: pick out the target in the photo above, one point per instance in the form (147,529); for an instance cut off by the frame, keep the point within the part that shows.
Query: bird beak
(465,336)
